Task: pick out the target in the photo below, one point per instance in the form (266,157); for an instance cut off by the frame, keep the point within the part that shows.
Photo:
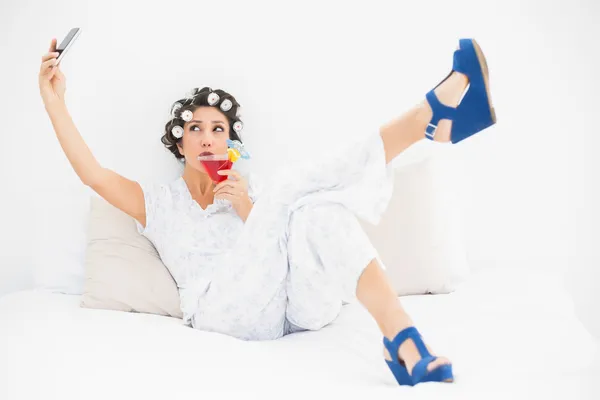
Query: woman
(260,267)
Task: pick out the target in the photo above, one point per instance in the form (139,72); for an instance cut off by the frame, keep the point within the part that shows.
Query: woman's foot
(397,320)
(376,293)
(449,92)
(409,355)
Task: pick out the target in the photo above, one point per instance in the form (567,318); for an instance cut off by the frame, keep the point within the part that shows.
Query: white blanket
(508,333)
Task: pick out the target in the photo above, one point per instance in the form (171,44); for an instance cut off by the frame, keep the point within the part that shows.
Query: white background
(312,73)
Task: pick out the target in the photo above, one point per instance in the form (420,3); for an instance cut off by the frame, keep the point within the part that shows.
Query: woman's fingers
(54,71)
(52,45)
(225,191)
(238,186)
(230,172)
(58,73)
(230,190)
(47,66)
(226,183)
(226,196)
(233,189)
(49,60)
(52,54)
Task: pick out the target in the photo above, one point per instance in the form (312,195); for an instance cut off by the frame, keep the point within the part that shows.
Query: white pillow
(59,238)
(420,238)
(124,271)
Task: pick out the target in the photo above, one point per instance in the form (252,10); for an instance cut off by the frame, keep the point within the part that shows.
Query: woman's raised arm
(123,193)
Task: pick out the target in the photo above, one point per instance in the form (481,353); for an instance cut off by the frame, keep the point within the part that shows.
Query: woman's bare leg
(401,133)
(379,298)
(374,290)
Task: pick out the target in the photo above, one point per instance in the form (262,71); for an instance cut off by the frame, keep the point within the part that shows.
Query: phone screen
(67,41)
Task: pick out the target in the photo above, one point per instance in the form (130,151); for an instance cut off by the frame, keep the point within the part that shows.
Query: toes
(439,361)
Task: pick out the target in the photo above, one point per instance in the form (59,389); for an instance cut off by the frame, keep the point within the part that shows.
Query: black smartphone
(67,42)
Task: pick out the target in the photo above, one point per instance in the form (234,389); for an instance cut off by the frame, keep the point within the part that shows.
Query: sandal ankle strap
(408,333)
(440,111)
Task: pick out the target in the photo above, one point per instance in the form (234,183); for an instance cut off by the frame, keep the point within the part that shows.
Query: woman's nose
(206,142)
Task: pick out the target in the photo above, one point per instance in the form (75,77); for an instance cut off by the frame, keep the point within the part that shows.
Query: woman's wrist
(247,207)
(54,105)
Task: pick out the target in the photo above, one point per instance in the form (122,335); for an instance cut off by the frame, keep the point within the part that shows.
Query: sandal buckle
(430,133)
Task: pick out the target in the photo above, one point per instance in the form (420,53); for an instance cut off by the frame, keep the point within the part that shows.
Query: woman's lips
(206,153)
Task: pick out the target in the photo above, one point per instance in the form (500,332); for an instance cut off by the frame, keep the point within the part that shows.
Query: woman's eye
(197,128)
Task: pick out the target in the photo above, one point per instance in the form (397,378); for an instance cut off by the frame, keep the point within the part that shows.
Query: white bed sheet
(509,333)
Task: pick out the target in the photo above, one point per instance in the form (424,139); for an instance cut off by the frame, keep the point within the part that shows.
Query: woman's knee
(328,251)
(313,318)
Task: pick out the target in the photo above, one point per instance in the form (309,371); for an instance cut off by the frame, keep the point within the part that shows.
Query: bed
(509,333)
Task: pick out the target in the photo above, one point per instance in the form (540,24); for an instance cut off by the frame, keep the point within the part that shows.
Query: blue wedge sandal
(475,112)
(419,373)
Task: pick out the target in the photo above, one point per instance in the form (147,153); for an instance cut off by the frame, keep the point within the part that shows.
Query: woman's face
(207,132)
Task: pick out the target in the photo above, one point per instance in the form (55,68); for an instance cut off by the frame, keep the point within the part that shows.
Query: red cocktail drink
(214,163)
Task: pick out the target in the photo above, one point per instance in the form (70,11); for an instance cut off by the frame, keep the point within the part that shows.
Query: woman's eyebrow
(214,122)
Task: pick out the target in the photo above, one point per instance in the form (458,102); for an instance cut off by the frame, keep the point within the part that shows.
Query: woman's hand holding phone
(52,81)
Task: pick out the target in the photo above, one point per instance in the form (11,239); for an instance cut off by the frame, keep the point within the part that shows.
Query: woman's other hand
(234,189)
